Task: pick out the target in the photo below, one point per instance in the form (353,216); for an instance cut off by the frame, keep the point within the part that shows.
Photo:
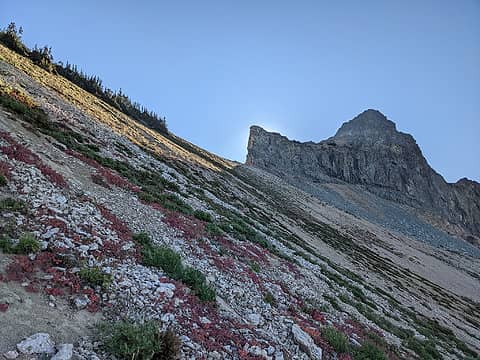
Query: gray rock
(39,343)
(65,352)
(305,342)
(369,151)
(254,319)
(81,301)
(50,233)
(12,354)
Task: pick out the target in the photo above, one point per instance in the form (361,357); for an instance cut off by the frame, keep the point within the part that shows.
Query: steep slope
(369,151)
(268,271)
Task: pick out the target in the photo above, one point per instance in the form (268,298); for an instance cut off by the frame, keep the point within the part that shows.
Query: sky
(301,68)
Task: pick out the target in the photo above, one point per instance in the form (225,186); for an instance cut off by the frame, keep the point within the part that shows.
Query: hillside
(105,220)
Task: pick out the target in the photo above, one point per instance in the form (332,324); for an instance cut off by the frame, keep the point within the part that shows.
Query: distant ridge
(368,150)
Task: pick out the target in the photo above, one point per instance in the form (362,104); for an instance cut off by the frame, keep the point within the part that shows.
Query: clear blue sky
(214,68)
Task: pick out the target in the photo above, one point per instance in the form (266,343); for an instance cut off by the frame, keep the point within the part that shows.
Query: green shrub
(145,341)
(213,229)
(337,339)
(369,352)
(425,349)
(202,215)
(95,276)
(3,180)
(269,299)
(165,258)
(11,204)
(6,245)
(27,244)
(255,267)
(169,261)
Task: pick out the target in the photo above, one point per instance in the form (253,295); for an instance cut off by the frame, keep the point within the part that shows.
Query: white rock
(12,354)
(81,301)
(306,343)
(39,343)
(65,352)
(254,319)
(50,233)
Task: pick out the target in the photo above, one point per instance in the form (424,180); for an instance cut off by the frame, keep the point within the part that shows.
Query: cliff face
(369,151)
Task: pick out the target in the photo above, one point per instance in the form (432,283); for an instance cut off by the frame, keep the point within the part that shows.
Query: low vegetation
(27,244)
(130,341)
(169,261)
(95,276)
(336,339)
(3,180)
(369,352)
(11,204)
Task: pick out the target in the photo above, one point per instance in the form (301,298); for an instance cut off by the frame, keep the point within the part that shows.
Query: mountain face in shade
(369,151)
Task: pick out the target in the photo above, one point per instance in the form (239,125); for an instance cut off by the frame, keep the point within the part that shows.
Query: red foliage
(318,316)
(57,223)
(51,174)
(19,152)
(213,336)
(5,169)
(31,288)
(189,226)
(3,307)
(54,291)
(254,277)
(118,225)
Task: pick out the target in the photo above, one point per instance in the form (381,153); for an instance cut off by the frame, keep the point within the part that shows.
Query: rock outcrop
(369,151)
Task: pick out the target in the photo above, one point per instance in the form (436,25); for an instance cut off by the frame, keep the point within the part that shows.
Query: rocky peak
(369,151)
(367,123)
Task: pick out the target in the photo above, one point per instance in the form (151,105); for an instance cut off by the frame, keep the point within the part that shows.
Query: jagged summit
(369,151)
(365,124)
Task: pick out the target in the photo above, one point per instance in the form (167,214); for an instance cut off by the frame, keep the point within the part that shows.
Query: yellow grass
(114,119)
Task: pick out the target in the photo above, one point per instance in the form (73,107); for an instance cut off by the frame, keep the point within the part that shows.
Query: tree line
(11,37)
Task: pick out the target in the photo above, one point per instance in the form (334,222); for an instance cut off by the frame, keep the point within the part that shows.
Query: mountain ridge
(369,151)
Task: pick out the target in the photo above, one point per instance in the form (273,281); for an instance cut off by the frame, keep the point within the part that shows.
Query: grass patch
(169,261)
(269,299)
(213,229)
(255,267)
(425,349)
(3,180)
(11,204)
(202,215)
(131,341)
(369,352)
(27,244)
(95,276)
(336,339)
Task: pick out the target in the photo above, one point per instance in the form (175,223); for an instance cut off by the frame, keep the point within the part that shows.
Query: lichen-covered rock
(306,343)
(39,343)
(65,352)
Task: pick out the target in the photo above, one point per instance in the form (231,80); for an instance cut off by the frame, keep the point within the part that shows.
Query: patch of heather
(292,269)
(20,153)
(188,226)
(5,169)
(204,325)
(245,252)
(117,225)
